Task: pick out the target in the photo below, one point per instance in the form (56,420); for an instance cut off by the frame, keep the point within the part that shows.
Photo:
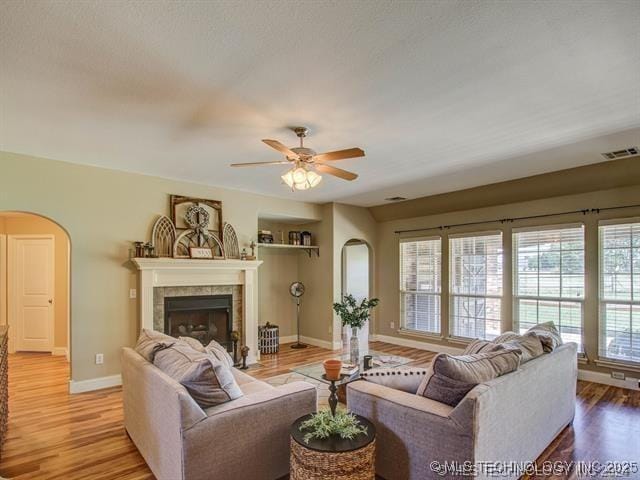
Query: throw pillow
(206,379)
(217,350)
(149,341)
(450,378)
(481,346)
(193,343)
(548,335)
(529,344)
(405,379)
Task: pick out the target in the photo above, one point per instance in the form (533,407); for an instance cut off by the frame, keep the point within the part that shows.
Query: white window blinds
(548,283)
(420,264)
(620,292)
(476,285)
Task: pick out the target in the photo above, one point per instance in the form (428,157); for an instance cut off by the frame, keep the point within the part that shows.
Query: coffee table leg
(333,398)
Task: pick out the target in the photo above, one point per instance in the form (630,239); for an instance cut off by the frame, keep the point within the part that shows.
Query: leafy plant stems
(353,314)
(323,424)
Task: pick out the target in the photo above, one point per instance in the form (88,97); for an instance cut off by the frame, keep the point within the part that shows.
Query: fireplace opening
(205,318)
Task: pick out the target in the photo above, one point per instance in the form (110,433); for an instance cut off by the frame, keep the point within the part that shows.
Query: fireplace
(203,317)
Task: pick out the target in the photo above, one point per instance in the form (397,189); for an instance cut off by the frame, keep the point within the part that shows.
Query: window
(420,262)
(620,292)
(548,283)
(476,285)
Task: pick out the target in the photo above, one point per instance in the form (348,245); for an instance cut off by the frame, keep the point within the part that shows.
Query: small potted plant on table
(354,315)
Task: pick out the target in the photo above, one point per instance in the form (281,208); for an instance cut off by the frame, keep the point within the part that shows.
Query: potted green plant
(323,424)
(354,315)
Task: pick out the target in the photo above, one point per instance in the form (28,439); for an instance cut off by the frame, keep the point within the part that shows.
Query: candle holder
(244,351)
(235,337)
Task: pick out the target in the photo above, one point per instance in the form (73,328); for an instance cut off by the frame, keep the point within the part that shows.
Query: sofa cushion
(405,379)
(481,346)
(193,343)
(220,353)
(449,378)
(548,335)
(529,344)
(256,386)
(149,342)
(208,381)
(214,348)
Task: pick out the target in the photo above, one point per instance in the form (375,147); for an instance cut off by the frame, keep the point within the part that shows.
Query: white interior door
(31,277)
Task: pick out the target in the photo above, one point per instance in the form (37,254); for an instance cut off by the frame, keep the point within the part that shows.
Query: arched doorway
(356,280)
(35,255)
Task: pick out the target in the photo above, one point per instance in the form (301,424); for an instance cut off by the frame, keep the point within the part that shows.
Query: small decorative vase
(332,369)
(354,347)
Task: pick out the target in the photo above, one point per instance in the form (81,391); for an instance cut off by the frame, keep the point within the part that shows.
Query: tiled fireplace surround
(168,277)
(160,293)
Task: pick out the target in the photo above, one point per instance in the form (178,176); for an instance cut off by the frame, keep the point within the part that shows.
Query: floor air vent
(624,153)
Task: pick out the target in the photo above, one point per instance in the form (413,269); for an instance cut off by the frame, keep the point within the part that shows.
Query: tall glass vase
(354,347)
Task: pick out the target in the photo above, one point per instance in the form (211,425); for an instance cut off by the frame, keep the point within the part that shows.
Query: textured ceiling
(441,95)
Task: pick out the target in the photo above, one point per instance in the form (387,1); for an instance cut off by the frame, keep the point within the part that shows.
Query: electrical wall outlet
(99,358)
(133,293)
(392,325)
(618,375)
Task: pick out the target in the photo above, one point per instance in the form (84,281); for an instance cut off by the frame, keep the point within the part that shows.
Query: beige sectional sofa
(246,438)
(510,419)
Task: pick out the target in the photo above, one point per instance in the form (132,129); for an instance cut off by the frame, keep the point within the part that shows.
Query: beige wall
(104,211)
(351,223)
(276,274)
(31,225)
(388,264)
(316,273)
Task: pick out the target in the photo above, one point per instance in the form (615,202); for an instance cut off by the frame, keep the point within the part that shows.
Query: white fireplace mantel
(172,272)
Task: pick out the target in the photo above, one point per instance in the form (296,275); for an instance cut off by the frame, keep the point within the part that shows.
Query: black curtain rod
(510,220)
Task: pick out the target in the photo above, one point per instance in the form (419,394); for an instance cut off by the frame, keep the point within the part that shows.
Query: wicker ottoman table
(333,458)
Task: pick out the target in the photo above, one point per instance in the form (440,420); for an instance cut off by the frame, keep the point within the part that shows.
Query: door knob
(51,300)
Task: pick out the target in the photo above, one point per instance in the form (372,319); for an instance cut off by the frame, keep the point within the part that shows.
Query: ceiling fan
(306,162)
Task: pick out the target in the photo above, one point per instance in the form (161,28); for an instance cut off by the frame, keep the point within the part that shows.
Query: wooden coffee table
(333,458)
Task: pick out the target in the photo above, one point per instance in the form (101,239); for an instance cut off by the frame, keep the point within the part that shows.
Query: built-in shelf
(308,248)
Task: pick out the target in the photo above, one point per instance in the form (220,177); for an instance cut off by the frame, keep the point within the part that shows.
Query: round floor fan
(296,289)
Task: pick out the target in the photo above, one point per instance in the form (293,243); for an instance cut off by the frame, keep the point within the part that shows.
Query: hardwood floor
(56,435)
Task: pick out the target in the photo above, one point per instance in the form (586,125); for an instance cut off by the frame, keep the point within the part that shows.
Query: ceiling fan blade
(280,147)
(336,172)
(256,164)
(339,155)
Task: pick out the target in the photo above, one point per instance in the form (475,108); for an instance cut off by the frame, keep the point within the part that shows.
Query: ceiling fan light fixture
(302,186)
(299,175)
(313,178)
(288,178)
(299,178)
(306,163)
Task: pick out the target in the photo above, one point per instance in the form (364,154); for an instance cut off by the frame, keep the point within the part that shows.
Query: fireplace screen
(205,318)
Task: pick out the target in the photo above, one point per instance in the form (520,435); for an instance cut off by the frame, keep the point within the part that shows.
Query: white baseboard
(94,384)
(321,343)
(605,378)
(419,344)
(288,339)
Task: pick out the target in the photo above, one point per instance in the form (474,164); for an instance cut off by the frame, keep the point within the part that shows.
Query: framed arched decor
(163,236)
(190,238)
(230,242)
(179,206)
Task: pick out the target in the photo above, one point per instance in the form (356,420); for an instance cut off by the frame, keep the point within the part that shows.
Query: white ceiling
(441,95)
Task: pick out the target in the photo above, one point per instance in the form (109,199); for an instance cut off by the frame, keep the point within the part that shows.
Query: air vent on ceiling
(395,199)
(624,153)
